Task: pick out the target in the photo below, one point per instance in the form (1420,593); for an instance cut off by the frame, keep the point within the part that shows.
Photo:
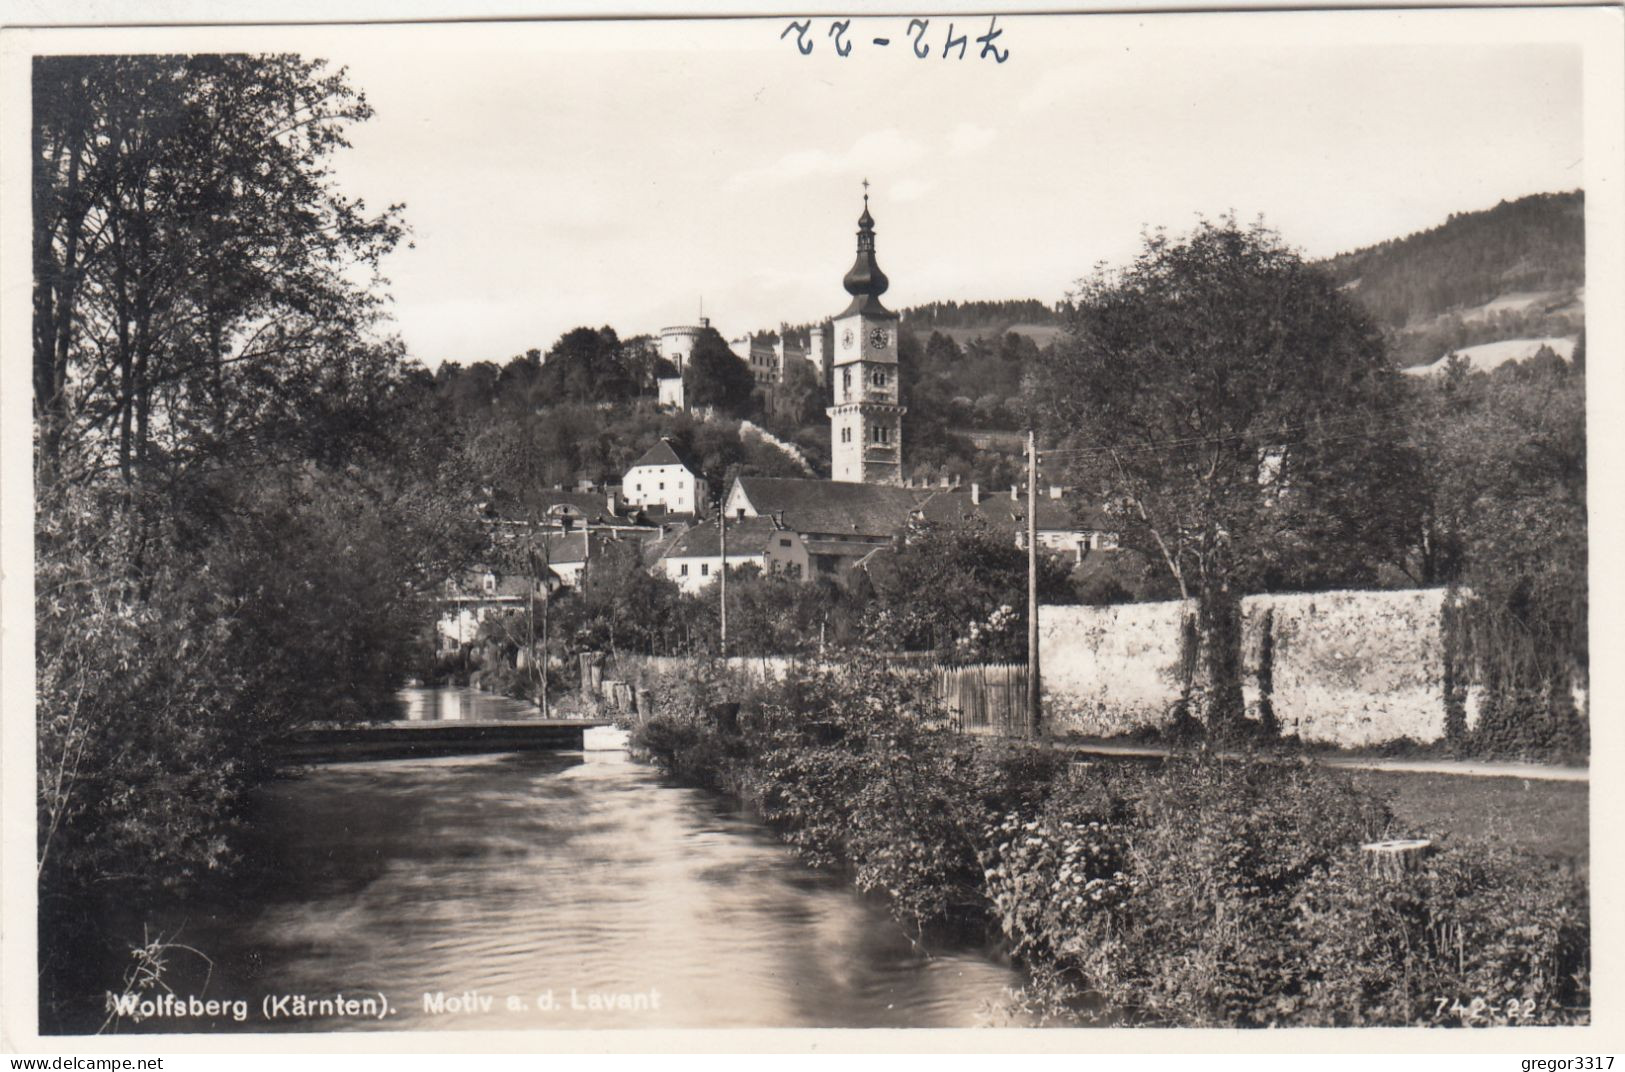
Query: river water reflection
(562,880)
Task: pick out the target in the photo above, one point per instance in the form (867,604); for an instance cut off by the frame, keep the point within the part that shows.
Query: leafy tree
(1241,411)
(584,365)
(960,591)
(715,376)
(941,350)
(1505,516)
(801,398)
(243,493)
(194,262)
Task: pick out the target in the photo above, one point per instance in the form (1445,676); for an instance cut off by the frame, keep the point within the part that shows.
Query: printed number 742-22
(1479,1009)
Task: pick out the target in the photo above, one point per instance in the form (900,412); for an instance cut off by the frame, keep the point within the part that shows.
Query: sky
(624,173)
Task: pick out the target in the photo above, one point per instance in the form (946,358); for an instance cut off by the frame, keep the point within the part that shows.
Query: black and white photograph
(1069,524)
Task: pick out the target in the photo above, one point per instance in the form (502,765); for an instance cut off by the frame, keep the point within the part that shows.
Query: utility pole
(722,540)
(1032,581)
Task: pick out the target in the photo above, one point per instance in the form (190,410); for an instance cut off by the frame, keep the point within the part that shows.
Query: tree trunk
(1219,618)
(1393,860)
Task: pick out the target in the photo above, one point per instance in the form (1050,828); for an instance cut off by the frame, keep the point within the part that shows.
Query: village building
(1063,523)
(695,559)
(838,523)
(661,478)
(478,596)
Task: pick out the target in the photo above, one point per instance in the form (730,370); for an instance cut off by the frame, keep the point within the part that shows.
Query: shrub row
(1201,892)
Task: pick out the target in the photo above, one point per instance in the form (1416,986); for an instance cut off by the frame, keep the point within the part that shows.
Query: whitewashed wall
(1350,668)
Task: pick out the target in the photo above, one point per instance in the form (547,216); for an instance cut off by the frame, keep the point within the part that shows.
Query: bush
(1205,892)
(1481,936)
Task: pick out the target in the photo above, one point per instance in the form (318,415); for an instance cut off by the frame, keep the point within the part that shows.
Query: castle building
(677,346)
(866,421)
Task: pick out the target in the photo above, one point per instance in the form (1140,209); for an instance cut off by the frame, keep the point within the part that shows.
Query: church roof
(829,506)
(865,281)
(662,453)
(1002,513)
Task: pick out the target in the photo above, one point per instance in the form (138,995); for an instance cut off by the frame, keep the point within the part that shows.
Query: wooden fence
(981,698)
(987,698)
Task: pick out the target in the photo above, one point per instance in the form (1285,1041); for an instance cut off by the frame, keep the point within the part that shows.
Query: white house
(695,559)
(661,478)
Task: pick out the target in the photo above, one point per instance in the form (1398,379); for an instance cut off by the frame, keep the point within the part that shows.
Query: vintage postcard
(557,532)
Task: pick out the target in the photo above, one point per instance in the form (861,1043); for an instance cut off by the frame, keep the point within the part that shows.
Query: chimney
(1055,491)
(1014,497)
(942,482)
(975,494)
(705,321)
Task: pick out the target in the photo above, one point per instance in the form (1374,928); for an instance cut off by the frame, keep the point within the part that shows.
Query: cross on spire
(866,192)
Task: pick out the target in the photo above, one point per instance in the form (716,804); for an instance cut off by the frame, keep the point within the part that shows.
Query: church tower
(866,421)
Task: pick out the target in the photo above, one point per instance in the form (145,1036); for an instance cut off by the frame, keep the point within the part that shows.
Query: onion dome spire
(866,282)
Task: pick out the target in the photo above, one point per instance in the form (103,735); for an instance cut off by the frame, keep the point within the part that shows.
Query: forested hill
(1532,246)
(990,315)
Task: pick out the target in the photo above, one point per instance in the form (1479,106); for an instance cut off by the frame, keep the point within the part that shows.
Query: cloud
(909,189)
(968,138)
(876,152)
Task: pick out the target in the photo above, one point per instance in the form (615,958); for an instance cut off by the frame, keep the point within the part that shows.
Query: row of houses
(802,529)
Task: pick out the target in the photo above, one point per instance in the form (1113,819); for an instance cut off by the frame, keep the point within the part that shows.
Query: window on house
(705,569)
(662,485)
(846,382)
(880,377)
(682,570)
(784,543)
(881,434)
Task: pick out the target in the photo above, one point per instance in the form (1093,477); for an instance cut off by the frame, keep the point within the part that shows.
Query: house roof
(842,549)
(662,453)
(746,536)
(1002,513)
(548,504)
(654,550)
(833,506)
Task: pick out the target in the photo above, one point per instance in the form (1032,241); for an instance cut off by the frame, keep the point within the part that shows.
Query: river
(585,887)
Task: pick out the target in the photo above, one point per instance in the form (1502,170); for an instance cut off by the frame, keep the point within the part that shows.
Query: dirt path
(1468,767)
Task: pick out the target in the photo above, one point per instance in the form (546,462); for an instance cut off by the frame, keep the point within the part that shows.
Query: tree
(194,262)
(715,376)
(1505,517)
(584,365)
(243,492)
(960,591)
(1241,412)
(801,398)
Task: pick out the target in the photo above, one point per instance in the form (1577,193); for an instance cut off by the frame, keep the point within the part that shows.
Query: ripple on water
(534,875)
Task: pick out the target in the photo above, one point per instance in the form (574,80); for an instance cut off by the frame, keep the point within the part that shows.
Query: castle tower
(866,421)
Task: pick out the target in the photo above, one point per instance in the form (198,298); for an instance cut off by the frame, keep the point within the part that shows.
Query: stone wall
(1109,670)
(1346,668)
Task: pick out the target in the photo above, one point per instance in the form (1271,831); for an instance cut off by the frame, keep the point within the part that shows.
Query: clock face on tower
(846,339)
(878,338)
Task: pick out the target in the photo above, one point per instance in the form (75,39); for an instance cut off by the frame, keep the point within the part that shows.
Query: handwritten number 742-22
(841,38)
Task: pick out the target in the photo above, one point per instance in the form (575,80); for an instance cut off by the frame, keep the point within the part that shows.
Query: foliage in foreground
(1205,892)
